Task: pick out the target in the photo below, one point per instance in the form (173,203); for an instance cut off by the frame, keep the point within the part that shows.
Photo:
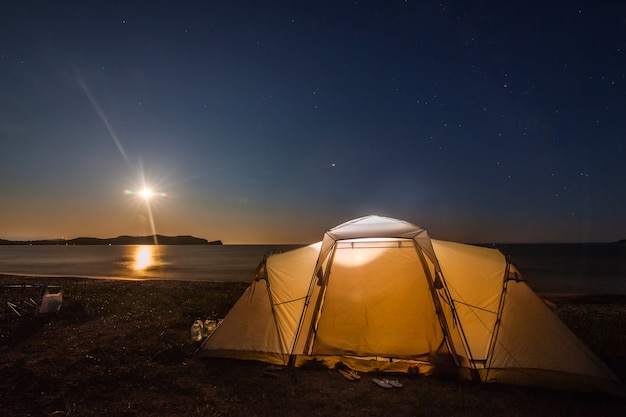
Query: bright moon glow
(146,193)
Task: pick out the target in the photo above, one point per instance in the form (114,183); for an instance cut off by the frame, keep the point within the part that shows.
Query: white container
(209,327)
(196,330)
(51,302)
(205,331)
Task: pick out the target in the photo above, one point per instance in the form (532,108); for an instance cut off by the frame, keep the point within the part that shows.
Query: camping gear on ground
(387,383)
(349,374)
(378,294)
(208,327)
(201,330)
(35,299)
(196,330)
(23,307)
(51,302)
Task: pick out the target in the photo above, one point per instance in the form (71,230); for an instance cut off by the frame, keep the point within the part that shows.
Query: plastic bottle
(196,330)
(205,329)
(209,326)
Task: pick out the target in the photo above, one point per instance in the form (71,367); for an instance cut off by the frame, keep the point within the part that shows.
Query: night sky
(271,122)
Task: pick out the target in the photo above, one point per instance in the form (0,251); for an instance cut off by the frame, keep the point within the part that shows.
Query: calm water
(564,269)
(585,268)
(227,263)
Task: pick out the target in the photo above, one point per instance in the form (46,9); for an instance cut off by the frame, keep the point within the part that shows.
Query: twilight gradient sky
(270,121)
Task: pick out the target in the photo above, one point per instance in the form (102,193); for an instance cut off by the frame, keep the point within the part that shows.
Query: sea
(549,268)
(216,263)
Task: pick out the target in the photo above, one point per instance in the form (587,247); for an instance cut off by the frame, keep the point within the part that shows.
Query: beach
(123,348)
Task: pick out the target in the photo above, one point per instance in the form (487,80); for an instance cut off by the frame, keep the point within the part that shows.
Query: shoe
(394,383)
(347,375)
(354,374)
(382,383)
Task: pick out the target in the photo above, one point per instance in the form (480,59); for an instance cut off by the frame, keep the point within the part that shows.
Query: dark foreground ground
(122,348)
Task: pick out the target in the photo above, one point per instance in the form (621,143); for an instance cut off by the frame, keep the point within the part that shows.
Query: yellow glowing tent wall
(379,294)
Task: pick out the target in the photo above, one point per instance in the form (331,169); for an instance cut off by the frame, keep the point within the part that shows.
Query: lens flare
(145,192)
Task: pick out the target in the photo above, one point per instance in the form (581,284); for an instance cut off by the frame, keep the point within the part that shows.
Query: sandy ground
(123,348)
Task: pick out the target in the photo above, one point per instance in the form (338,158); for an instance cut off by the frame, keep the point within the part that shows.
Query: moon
(146,193)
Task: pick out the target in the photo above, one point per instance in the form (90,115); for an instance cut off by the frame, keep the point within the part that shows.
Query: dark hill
(120,240)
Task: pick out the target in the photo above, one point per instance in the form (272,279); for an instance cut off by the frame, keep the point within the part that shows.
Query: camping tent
(377,294)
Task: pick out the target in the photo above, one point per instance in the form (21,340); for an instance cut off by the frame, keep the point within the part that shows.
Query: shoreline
(10,275)
(68,277)
(574,298)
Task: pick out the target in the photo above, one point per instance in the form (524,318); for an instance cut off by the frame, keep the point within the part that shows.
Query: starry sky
(273,121)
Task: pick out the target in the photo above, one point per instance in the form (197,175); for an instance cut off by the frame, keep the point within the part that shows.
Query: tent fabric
(474,277)
(371,312)
(378,294)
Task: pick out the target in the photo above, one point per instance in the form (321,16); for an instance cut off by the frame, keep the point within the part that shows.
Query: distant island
(120,240)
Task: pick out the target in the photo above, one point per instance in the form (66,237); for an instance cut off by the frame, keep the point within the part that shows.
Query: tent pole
(318,269)
(441,316)
(455,317)
(292,355)
(318,304)
(494,336)
(278,333)
(435,297)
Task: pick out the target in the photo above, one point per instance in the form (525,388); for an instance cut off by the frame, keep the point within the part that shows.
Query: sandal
(382,383)
(354,374)
(347,375)
(394,383)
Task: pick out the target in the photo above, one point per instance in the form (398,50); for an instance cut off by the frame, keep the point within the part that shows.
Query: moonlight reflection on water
(143,258)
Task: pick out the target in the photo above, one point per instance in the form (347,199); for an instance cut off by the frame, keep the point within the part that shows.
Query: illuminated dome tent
(378,294)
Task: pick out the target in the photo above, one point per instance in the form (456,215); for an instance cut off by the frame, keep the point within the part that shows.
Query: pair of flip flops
(274,371)
(387,383)
(349,374)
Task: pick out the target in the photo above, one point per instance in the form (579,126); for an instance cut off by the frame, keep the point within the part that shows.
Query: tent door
(377,303)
